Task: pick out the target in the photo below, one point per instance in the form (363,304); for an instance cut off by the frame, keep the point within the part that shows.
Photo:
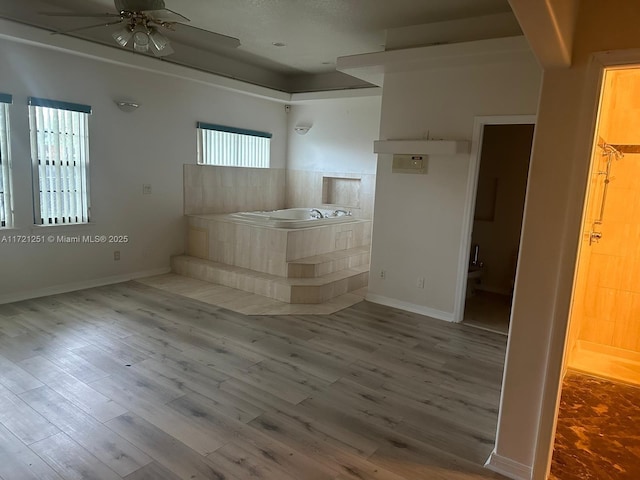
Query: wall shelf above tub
(424,147)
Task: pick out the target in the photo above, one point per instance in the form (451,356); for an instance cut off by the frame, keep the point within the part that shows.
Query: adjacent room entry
(504,157)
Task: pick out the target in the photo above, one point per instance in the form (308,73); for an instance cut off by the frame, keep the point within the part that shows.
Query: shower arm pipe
(609,151)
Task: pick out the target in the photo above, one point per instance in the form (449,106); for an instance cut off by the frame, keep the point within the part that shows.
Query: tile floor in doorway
(598,431)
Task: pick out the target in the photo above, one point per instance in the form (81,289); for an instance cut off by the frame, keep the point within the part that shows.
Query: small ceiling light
(279,44)
(302,129)
(126,106)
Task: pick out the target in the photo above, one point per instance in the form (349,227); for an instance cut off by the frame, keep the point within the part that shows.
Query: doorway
(501,172)
(596,427)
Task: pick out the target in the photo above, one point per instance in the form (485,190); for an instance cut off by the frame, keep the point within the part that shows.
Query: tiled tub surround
(211,189)
(269,249)
(305,265)
(328,189)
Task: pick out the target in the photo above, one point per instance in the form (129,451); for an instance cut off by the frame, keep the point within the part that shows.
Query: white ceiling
(315,32)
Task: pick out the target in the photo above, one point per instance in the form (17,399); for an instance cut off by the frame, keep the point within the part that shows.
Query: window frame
(5,161)
(84,216)
(202,128)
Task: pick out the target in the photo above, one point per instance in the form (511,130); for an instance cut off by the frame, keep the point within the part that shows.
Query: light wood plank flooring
(128,381)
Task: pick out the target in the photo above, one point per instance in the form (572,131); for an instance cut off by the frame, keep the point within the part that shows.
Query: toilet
(474,278)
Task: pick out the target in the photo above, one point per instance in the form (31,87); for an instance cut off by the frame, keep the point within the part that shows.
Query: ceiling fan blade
(86,15)
(138,5)
(87,27)
(166,15)
(187,34)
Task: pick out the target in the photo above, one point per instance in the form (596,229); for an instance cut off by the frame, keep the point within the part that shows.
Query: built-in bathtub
(268,241)
(293,217)
(287,255)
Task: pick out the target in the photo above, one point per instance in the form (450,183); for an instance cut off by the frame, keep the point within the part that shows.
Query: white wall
(339,144)
(149,145)
(419,218)
(341,137)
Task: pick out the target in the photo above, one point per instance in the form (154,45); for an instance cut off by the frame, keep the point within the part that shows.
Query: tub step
(289,290)
(321,265)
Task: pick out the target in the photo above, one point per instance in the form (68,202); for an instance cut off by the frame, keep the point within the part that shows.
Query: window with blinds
(60,156)
(233,147)
(6,210)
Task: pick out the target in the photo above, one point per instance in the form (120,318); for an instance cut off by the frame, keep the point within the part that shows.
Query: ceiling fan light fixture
(141,47)
(159,41)
(123,36)
(161,53)
(139,26)
(140,39)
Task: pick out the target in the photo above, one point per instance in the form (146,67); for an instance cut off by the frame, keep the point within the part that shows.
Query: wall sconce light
(127,107)
(302,129)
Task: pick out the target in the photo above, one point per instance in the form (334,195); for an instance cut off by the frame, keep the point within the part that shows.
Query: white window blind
(60,155)
(6,210)
(233,147)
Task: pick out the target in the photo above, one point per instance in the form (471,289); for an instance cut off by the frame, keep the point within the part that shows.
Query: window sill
(62,228)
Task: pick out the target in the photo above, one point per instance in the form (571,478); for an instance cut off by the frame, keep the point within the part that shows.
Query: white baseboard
(73,286)
(410,307)
(509,468)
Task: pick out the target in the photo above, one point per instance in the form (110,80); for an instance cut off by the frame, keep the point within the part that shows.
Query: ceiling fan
(142,22)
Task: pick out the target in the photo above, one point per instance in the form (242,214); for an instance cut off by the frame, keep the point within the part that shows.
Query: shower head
(622,149)
(613,150)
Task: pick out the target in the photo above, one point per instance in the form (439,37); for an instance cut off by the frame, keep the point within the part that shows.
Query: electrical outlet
(146,189)
(383,274)
(420,282)
(116,255)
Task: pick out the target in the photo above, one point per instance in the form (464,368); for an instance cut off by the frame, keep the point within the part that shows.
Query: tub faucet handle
(317,212)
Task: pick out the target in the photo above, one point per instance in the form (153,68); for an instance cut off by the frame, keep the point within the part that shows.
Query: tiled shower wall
(606,310)
(353,191)
(211,189)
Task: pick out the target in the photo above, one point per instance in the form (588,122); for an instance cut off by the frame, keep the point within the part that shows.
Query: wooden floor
(127,381)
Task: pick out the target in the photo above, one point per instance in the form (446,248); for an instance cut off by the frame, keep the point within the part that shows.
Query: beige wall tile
(609,284)
(310,188)
(198,242)
(211,189)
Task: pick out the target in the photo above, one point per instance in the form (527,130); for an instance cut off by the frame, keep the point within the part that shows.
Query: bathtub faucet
(343,212)
(319,213)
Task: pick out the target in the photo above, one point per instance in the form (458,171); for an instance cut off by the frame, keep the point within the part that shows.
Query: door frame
(470,204)
(552,385)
